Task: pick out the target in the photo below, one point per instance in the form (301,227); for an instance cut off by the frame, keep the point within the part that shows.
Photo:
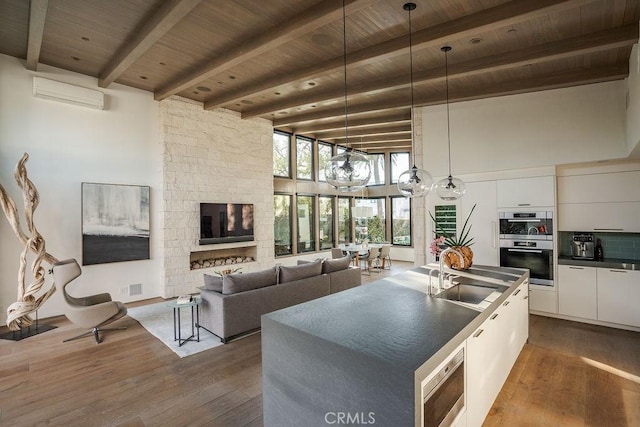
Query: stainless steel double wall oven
(526,241)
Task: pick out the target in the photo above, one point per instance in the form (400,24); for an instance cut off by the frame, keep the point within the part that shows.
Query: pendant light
(349,171)
(413,182)
(449,188)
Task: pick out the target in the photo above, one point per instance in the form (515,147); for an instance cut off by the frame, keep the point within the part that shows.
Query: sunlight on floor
(612,370)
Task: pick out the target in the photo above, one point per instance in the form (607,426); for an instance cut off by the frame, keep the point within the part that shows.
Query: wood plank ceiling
(283,59)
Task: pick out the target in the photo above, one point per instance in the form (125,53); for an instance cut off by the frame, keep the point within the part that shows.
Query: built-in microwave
(534,225)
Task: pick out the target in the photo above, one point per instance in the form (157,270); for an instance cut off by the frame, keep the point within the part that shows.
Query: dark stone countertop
(621,264)
(393,319)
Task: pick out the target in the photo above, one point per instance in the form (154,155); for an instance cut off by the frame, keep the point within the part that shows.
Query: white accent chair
(91,312)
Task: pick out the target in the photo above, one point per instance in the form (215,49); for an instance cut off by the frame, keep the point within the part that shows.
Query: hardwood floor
(568,374)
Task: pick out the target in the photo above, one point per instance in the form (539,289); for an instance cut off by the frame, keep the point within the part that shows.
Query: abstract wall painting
(115,223)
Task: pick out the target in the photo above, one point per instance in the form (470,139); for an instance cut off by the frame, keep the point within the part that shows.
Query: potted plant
(459,243)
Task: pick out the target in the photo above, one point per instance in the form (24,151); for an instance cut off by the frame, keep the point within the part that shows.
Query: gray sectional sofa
(233,304)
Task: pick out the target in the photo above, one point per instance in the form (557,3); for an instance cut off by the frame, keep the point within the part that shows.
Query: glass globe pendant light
(349,171)
(413,182)
(449,188)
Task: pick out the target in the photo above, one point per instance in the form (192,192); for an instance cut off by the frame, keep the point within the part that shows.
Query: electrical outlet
(124,290)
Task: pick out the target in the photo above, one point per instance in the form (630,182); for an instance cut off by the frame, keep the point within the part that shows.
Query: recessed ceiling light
(246,102)
(512,31)
(232,77)
(75,58)
(195,92)
(277,93)
(162,63)
(143,77)
(85,38)
(220,83)
(475,40)
(311,83)
(203,89)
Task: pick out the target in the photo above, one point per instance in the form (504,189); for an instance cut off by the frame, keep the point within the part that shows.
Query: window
(325,152)
(369,215)
(398,164)
(401,221)
(344,219)
(304,158)
(281,154)
(325,217)
(377,169)
(282,224)
(306,223)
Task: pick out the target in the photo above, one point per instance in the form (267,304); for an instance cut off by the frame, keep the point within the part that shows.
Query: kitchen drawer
(545,301)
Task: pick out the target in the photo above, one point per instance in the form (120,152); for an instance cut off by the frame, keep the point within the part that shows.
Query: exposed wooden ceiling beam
(378,146)
(355,142)
(379,120)
(308,20)
(152,30)
(37,18)
(398,128)
(486,20)
(573,78)
(575,46)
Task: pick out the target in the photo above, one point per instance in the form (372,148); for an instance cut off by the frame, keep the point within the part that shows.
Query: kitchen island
(363,354)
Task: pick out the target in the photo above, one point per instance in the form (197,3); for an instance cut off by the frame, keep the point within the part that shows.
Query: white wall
(69,145)
(633,100)
(570,125)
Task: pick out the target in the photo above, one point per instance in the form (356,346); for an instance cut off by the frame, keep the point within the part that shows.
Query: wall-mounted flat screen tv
(225,223)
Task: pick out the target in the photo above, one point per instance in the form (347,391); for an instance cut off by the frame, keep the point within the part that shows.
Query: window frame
(331,148)
(312,229)
(332,200)
(290,244)
(289,135)
(312,167)
(391,179)
(391,199)
(384,171)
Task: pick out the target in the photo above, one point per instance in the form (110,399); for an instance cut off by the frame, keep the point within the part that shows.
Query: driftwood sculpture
(19,313)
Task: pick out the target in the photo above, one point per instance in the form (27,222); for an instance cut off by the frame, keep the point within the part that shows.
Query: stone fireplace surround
(212,156)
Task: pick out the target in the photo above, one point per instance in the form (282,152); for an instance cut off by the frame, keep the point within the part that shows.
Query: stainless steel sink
(471,294)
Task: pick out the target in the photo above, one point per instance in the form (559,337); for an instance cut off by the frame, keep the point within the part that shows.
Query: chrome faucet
(441,277)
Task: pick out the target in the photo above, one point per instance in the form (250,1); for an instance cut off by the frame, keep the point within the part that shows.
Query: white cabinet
(577,291)
(600,187)
(484,221)
(604,217)
(525,192)
(481,349)
(619,296)
(491,352)
(599,202)
(541,300)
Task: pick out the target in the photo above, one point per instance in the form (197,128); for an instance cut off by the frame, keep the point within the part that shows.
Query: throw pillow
(234,283)
(213,283)
(289,274)
(331,265)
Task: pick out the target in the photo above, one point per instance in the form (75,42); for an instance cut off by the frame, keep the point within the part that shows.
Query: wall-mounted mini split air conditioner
(65,92)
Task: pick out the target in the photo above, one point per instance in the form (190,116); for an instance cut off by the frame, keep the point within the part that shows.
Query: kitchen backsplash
(614,245)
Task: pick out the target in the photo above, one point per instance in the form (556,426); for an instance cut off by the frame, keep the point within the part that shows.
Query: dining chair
(385,256)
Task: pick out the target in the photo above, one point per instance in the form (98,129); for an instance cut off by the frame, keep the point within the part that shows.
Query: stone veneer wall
(211,156)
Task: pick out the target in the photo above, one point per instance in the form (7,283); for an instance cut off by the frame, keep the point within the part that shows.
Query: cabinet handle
(524,204)
(494,316)
(577,268)
(506,303)
(477,334)
(493,234)
(516,292)
(618,271)
(608,229)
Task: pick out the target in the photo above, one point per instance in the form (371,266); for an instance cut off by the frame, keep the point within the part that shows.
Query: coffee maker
(582,246)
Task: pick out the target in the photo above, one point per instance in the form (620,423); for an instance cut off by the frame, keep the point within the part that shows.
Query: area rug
(158,320)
